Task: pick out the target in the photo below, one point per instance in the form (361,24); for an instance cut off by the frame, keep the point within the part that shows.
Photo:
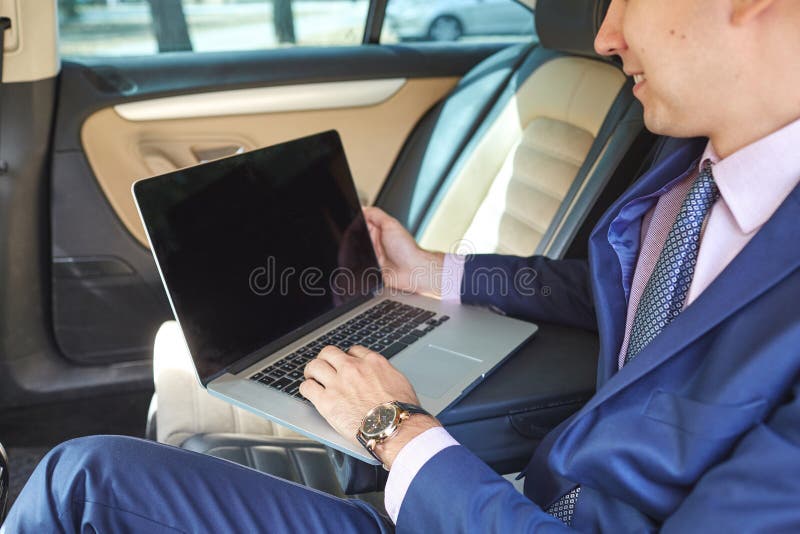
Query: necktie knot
(705,187)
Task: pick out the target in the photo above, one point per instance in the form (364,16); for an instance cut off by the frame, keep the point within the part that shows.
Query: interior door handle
(206,154)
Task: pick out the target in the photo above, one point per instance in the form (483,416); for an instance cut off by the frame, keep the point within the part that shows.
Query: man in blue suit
(693,284)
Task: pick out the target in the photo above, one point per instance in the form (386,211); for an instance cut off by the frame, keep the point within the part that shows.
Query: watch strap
(411,408)
(363,443)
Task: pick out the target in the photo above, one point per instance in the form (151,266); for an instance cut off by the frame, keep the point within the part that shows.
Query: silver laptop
(266,258)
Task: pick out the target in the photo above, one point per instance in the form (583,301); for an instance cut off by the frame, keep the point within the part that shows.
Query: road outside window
(143,27)
(457,20)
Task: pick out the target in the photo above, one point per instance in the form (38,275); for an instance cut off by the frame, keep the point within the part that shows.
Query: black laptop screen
(254,247)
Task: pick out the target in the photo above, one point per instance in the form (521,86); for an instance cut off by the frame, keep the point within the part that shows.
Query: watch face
(378,420)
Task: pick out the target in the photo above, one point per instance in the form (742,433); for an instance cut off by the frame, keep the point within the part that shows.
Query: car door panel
(140,148)
(107,297)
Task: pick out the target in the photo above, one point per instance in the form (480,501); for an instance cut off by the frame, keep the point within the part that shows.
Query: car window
(457,20)
(138,27)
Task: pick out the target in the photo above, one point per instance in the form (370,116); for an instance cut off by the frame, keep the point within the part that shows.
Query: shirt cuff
(452,275)
(408,462)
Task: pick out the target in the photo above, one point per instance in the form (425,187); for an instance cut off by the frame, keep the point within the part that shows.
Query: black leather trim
(570,25)
(356,476)
(297,460)
(558,365)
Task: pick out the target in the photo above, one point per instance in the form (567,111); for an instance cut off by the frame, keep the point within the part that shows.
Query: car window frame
(373,29)
(376,13)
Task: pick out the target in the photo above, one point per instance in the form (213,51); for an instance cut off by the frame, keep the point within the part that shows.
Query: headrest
(570,25)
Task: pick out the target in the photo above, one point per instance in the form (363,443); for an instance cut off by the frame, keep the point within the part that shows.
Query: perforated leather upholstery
(529,188)
(506,193)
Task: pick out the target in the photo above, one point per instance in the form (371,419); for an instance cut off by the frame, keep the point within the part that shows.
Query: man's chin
(670,120)
(658,124)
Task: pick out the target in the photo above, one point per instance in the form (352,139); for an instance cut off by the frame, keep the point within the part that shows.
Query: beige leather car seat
(184,407)
(512,184)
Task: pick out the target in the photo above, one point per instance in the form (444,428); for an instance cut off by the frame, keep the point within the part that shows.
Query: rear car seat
(513,160)
(532,151)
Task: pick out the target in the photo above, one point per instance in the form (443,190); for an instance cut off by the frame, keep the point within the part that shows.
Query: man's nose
(610,39)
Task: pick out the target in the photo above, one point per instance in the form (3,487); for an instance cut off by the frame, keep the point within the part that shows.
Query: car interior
(475,147)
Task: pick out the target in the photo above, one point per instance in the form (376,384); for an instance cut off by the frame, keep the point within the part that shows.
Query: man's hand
(405,266)
(344,386)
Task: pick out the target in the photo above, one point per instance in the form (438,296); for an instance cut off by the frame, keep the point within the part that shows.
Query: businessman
(693,284)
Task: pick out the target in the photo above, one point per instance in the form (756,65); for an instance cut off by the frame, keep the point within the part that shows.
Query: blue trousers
(109,484)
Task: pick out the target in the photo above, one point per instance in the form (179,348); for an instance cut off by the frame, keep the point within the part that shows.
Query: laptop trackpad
(435,370)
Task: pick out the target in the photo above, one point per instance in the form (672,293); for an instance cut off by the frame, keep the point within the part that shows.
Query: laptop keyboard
(387,328)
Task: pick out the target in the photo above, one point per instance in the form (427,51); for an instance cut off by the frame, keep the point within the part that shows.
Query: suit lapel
(772,254)
(545,485)
(610,302)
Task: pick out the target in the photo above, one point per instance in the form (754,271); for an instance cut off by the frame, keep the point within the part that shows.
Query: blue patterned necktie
(666,290)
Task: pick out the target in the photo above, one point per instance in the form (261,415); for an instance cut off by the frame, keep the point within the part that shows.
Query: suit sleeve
(535,288)
(456,492)
(756,489)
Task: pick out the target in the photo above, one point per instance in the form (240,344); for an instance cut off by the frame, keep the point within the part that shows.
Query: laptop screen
(258,249)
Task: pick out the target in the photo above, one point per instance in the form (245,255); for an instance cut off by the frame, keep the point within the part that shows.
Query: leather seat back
(504,191)
(507,191)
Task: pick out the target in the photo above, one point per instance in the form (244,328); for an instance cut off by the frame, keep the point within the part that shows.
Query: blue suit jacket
(699,433)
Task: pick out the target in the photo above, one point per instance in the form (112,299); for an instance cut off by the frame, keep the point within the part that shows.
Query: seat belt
(5,24)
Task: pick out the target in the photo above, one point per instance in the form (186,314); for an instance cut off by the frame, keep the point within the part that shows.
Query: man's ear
(745,11)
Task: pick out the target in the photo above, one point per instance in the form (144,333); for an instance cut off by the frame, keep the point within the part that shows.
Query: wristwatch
(382,422)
